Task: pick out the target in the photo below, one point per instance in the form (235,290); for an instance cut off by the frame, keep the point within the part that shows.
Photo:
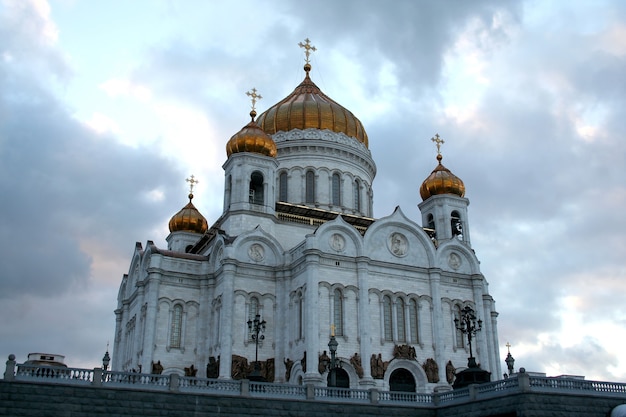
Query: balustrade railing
(209,386)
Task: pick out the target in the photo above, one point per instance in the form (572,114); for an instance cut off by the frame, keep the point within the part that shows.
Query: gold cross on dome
(332,329)
(508,347)
(192,181)
(307,49)
(254,97)
(439,142)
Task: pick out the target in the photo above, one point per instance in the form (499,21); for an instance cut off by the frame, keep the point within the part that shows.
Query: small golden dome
(251,138)
(188,219)
(441,181)
(307,107)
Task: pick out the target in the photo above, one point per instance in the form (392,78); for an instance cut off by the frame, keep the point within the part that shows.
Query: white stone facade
(385,285)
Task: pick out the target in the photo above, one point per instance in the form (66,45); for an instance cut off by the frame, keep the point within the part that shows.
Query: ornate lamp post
(510,361)
(256,327)
(467,324)
(332,346)
(106,359)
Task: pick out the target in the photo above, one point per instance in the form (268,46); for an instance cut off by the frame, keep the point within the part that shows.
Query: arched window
(387,324)
(310,187)
(256,188)
(228,191)
(338,312)
(253,310)
(282,186)
(400,318)
(357,195)
(457,225)
(430,221)
(177,326)
(413,321)
(460,337)
(336,194)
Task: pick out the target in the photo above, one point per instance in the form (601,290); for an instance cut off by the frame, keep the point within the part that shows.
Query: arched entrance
(401,380)
(342,378)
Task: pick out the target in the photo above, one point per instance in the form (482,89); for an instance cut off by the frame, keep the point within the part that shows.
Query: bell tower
(444,206)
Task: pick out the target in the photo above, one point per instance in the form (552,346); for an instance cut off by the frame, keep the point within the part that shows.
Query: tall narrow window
(282,186)
(300,317)
(338,312)
(310,187)
(253,310)
(413,321)
(336,190)
(256,188)
(460,338)
(177,326)
(357,195)
(400,318)
(387,318)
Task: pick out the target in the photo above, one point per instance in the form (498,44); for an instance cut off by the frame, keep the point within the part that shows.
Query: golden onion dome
(441,181)
(188,219)
(307,107)
(251,138)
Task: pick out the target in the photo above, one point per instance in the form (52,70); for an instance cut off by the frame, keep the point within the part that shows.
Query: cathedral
(297,259)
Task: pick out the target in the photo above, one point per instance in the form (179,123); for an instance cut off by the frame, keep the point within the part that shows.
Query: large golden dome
(188,219)
(307,107)
(251,138)
(441,181)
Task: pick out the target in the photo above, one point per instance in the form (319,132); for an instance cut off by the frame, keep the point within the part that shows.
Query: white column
(226,319)
(480,350)
(152,299)
(202,335)
(311,319)
(362,269)
(437,320)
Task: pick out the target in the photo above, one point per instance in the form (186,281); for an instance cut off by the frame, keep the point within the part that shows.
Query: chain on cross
(307,49)
(254,97)
(438,141)
(192,181)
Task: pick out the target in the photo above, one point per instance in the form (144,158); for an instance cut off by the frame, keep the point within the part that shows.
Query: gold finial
(332,329)
(439,142)
(192,181)
(307,49)
(508,347)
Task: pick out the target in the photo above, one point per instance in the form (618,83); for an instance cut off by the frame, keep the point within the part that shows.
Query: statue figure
(450,372)
(268,370)
(239,368)
(191,371)
(323,363)
(355,360)
(432,370)
(213,368)
(404,352)
(303,362)
(288,365)
(378,366)
(157,368)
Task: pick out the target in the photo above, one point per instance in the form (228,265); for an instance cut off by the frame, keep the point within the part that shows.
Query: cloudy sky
(107,106)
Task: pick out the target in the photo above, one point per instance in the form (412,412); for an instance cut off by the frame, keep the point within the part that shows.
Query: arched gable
(456,257)
(396,239)
(338,237)
(258,247)
(413,367)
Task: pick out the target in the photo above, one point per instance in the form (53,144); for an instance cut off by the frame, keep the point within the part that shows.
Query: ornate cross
(439,142)
(192,181)
(332,329)
(508,347)
(254,97)
(307,49)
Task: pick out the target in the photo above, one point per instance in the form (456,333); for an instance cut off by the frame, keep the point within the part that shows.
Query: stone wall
(30,399)
(39,400)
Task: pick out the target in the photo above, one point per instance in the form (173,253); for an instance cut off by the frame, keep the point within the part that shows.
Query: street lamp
(467,324)
(510,361)
(256,327)
(106,359)
(332,346)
